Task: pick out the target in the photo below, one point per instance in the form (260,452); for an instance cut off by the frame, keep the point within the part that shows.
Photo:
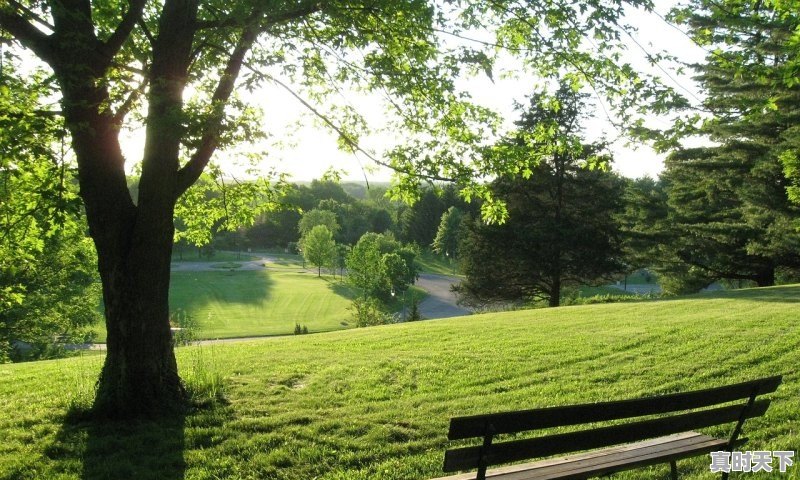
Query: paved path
(638,289)
(441,302)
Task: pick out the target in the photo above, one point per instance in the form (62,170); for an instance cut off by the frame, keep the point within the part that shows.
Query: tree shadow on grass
(146,449)
(780,294)
(194,291)
(342,289)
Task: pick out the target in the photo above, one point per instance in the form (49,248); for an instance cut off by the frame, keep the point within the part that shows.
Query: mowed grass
(375,403)
(248,303)
(430,262)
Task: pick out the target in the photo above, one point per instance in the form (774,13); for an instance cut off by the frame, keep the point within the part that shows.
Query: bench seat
(607,460)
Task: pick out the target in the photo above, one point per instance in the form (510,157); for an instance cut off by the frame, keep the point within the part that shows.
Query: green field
(430,262)
(374,403)
(250,303)
(253,303)
(220,256)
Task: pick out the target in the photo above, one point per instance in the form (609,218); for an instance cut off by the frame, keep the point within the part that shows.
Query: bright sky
(306,152)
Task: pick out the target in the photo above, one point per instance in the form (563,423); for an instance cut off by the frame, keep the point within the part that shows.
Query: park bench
(667,435)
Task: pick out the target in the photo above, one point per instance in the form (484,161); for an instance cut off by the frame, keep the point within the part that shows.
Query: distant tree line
(369,211)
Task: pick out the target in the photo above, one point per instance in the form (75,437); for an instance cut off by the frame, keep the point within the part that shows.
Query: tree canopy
(318,247)
(562,228)
(181,69)
(728,209)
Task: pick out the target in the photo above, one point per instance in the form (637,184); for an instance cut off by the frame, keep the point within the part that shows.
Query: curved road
(441,302)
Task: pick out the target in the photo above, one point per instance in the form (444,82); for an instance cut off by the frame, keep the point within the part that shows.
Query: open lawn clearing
(430,262)
(250,303)
(375,403)
(254,303)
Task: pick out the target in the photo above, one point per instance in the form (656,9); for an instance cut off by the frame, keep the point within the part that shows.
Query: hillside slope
(374,403)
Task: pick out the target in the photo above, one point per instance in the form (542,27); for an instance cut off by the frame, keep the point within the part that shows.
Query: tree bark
(555,292)
(765,278)
(140,374)
(134,248)
(133,242)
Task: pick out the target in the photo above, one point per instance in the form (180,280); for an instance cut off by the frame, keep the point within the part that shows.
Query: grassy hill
(374,403)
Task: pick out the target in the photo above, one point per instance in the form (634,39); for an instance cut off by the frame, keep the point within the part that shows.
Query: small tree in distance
(449,234)
(318,247)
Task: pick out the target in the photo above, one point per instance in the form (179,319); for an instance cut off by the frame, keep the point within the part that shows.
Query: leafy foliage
(318,247)
(728,215)
(449,233)
(378,265)
(317,217)
(218,204)
(48,281)
(561,229)
(368,312)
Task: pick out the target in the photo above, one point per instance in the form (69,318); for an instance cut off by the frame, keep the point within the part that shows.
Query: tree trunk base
(138,389)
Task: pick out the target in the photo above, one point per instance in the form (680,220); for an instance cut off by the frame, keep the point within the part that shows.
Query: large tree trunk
(140,374)
(134,248)
(766,277)
(555,292)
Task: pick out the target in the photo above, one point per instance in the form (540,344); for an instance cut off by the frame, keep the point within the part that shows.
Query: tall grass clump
(201,376)
(186,329)
(81,385)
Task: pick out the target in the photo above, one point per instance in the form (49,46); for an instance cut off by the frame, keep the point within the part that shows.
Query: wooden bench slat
(607,460)
(513,422)
(618,463)
(630,459)
(511,451)
(690,437)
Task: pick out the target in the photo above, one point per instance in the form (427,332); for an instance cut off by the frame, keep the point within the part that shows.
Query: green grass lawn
(249,303)
(252,303)
(430,262)
(374,403)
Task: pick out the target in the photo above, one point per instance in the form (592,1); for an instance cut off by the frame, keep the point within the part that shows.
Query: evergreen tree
(561,228)
(728,203)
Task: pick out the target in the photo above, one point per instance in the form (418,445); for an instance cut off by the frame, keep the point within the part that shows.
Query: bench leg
(673,470)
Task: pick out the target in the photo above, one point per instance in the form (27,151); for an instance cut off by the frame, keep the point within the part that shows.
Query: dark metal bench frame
(670,422)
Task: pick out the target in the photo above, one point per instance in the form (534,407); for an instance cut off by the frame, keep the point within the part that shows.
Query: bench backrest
(487,426)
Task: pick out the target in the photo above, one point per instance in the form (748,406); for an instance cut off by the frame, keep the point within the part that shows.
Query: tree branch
(41,21)
(112,45)
(126,107)
(302,10)
(146,32)
(210,140)
(352,142)
(28,35)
